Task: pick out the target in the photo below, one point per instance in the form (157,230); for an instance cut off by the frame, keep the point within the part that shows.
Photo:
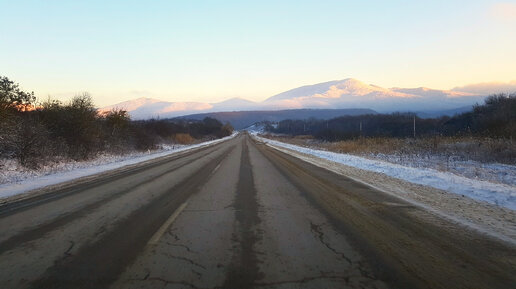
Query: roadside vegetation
(36,133)
(486,134)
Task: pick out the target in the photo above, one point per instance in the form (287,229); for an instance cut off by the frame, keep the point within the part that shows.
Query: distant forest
(37,133)
(495,118)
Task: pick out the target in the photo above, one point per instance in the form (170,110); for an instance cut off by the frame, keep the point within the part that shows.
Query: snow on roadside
(499,194)
(16,182)
(491,172)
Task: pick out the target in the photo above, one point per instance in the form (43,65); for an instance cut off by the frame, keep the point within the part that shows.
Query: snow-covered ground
(501,194)
(491,172)
(14,179)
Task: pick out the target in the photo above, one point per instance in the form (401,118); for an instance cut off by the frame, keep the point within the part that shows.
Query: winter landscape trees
(495,118)
(486,134)
(38,132)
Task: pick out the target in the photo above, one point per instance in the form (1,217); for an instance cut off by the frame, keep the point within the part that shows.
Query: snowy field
(501,194)
(491,172)
(14,179)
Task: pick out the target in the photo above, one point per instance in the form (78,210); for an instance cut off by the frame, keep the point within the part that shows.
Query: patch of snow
(15,179)
(495,193)
(256,128)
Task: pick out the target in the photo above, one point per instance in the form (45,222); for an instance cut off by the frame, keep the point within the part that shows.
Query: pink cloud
(504,11)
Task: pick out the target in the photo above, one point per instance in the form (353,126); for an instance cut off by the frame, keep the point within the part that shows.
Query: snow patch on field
(495,193)
(14,179)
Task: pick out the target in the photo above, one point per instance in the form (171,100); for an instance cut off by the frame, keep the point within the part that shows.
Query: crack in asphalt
(165,281)
(305,280)
(199,275)
(173,235)
(182,246)
(67,252)
(316,229)
(346,276)
(364,272)
(185,259)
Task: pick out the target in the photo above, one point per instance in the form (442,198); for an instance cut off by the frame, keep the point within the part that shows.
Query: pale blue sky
(213,50)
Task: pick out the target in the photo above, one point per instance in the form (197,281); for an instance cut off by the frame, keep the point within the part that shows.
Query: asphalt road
(238,214)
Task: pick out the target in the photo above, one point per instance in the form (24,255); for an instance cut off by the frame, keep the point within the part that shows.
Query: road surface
(238,214)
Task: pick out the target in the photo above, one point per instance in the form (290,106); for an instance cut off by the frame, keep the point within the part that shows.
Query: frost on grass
(13,172)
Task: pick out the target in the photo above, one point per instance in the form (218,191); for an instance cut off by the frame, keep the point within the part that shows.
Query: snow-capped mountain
(132,105)
(144,108)
(346,93)
(336,89)
(352,93)
(234,104)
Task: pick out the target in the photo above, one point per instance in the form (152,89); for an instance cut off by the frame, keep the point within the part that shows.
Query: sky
(213,50)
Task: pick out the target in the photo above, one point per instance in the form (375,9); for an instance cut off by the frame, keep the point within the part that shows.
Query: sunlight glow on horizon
(210,51)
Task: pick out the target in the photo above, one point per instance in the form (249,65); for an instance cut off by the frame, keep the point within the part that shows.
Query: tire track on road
(99,264)
(243,270)
(32,234)
(83,184)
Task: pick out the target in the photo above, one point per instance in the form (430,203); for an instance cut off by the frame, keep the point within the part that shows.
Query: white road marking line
(155,238)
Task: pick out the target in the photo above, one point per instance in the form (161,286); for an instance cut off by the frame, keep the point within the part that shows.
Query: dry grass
(183,138)
(485,150)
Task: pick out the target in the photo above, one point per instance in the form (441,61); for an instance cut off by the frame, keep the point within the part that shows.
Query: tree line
(495,118)
(39,132)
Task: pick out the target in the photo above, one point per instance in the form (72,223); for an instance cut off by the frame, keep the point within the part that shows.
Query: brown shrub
(183,138)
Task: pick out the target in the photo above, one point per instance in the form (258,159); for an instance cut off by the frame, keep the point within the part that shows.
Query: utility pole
(360,127)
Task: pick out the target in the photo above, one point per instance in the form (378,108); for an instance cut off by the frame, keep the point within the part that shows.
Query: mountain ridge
(347,93)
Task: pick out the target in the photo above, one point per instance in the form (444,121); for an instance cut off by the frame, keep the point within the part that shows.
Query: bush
(183,138)
(117,130)
(225,130)
(32,145)
(77,123)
